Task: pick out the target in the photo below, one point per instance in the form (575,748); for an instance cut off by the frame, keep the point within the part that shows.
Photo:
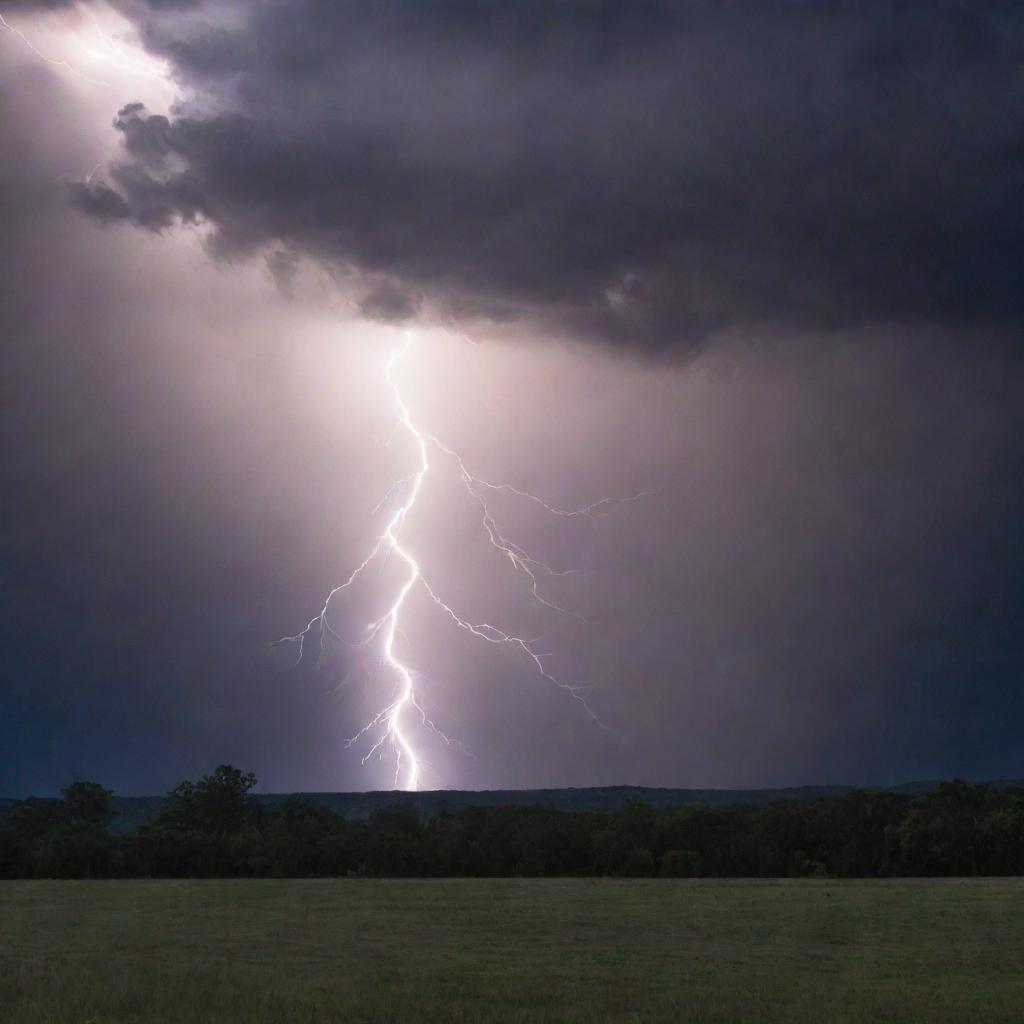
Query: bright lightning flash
(97,42)
(389,724)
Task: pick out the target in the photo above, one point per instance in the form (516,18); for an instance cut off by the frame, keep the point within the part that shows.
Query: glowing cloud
(89,42)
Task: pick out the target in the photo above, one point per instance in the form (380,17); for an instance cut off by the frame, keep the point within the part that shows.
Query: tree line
(215,827)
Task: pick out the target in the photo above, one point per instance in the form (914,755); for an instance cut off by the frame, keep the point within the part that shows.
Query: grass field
(511,950)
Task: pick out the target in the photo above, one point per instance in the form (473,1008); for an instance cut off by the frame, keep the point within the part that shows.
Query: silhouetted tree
(88,803)
(218,804)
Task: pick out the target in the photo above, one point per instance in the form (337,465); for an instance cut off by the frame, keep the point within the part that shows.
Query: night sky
(765,259)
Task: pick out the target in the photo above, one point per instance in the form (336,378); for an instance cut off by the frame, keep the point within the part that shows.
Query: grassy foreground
(511,950)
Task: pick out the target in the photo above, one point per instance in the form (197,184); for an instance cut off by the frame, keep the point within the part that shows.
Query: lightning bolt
(100,47)
(108,50)
(70,68)
(390,724)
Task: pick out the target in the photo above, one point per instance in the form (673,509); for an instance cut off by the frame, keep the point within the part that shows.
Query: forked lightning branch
(390,729)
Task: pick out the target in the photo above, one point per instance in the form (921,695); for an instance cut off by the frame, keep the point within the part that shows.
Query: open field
(511,950)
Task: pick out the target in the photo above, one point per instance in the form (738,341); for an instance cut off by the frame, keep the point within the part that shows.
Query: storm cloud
(784,240)
(642,172)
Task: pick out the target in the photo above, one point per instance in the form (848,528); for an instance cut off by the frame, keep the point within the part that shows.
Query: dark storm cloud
(283,267)
(829,586)
(644,171)
(389,304)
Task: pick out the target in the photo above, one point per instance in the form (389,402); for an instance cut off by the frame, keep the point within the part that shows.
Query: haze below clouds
(791,303)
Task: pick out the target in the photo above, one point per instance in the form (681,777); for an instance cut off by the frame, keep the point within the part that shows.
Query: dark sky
(762,257)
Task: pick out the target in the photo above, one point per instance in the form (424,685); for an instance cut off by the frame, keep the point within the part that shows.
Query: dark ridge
(130,811)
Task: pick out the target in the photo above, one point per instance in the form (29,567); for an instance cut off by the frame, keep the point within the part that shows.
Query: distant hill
(136,810)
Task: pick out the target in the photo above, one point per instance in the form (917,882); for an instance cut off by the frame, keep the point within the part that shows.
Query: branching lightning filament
(99,46)
(388,728)
(55,61)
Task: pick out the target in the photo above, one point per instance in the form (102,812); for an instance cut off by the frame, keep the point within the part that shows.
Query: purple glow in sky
(763,259)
